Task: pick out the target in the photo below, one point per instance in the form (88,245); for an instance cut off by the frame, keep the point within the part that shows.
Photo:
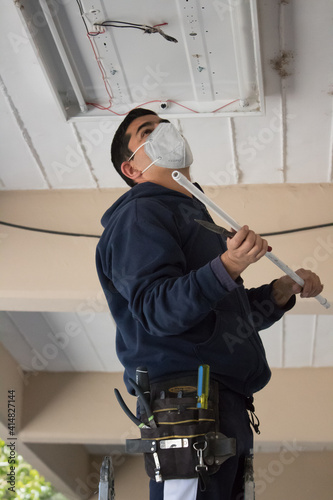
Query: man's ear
(130,170)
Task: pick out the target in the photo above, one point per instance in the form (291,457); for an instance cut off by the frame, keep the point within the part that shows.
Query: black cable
(80,6)
(116,26)
(144,27)
(126,24)
(82,14)
(48,231)
(63,233)
(307,228)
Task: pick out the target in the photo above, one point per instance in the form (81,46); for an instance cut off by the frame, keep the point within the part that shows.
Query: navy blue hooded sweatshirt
(174,304)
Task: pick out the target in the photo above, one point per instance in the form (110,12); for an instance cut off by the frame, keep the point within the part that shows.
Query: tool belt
(184,441)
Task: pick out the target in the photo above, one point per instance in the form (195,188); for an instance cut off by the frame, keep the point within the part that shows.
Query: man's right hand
(245,248)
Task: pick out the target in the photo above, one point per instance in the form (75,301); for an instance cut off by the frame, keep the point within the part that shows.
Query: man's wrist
(282,292)
(232,268)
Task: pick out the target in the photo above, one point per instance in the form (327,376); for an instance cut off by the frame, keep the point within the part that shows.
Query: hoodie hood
(144,190)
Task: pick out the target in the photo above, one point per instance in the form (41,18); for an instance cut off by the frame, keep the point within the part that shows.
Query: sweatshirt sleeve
(147,266)
(265,311)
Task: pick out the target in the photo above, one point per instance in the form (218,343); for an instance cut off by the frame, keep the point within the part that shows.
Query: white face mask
(167,148)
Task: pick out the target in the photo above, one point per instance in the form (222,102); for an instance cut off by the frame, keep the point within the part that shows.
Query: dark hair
(119,146)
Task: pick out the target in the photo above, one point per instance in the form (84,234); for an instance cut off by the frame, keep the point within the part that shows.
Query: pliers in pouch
(143,401)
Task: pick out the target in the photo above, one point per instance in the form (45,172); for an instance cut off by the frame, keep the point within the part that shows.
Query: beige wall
(303,476)
(45,272)
(297,404)
(65,407)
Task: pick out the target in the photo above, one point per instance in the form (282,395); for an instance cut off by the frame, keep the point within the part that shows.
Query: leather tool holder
(186,442)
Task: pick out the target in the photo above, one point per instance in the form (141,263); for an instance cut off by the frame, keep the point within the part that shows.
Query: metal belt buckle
(201,465)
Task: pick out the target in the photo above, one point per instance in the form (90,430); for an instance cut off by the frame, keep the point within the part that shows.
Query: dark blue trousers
(228,482)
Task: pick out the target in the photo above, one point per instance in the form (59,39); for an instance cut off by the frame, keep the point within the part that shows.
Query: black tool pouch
(186,442)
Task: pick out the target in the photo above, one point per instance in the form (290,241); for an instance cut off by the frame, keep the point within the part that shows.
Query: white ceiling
(290,142)
(48,143)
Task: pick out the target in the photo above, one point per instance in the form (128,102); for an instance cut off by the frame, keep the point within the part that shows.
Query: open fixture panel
(179,57)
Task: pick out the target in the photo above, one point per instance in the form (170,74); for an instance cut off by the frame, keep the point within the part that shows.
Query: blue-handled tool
(203,387)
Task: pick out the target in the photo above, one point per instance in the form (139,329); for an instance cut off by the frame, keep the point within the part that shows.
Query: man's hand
(285,287)
(245,248)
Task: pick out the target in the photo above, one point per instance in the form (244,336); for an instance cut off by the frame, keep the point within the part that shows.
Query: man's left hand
(285,287)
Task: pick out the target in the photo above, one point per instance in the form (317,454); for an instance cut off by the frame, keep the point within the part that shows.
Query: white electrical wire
(181,179)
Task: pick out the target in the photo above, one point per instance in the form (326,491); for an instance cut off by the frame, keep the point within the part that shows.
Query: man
(176,294)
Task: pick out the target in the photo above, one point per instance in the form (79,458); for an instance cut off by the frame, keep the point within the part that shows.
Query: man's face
(139,130)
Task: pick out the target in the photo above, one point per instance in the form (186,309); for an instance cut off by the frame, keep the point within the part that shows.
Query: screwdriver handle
(142,380)
(203,386)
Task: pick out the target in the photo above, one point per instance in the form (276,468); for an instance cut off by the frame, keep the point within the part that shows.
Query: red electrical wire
(103,108)
(119,114)
(104,76)
(95,33)
(182,105)
(225,105)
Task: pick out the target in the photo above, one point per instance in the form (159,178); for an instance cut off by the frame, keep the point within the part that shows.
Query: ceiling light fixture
(63,54)
(239,16)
